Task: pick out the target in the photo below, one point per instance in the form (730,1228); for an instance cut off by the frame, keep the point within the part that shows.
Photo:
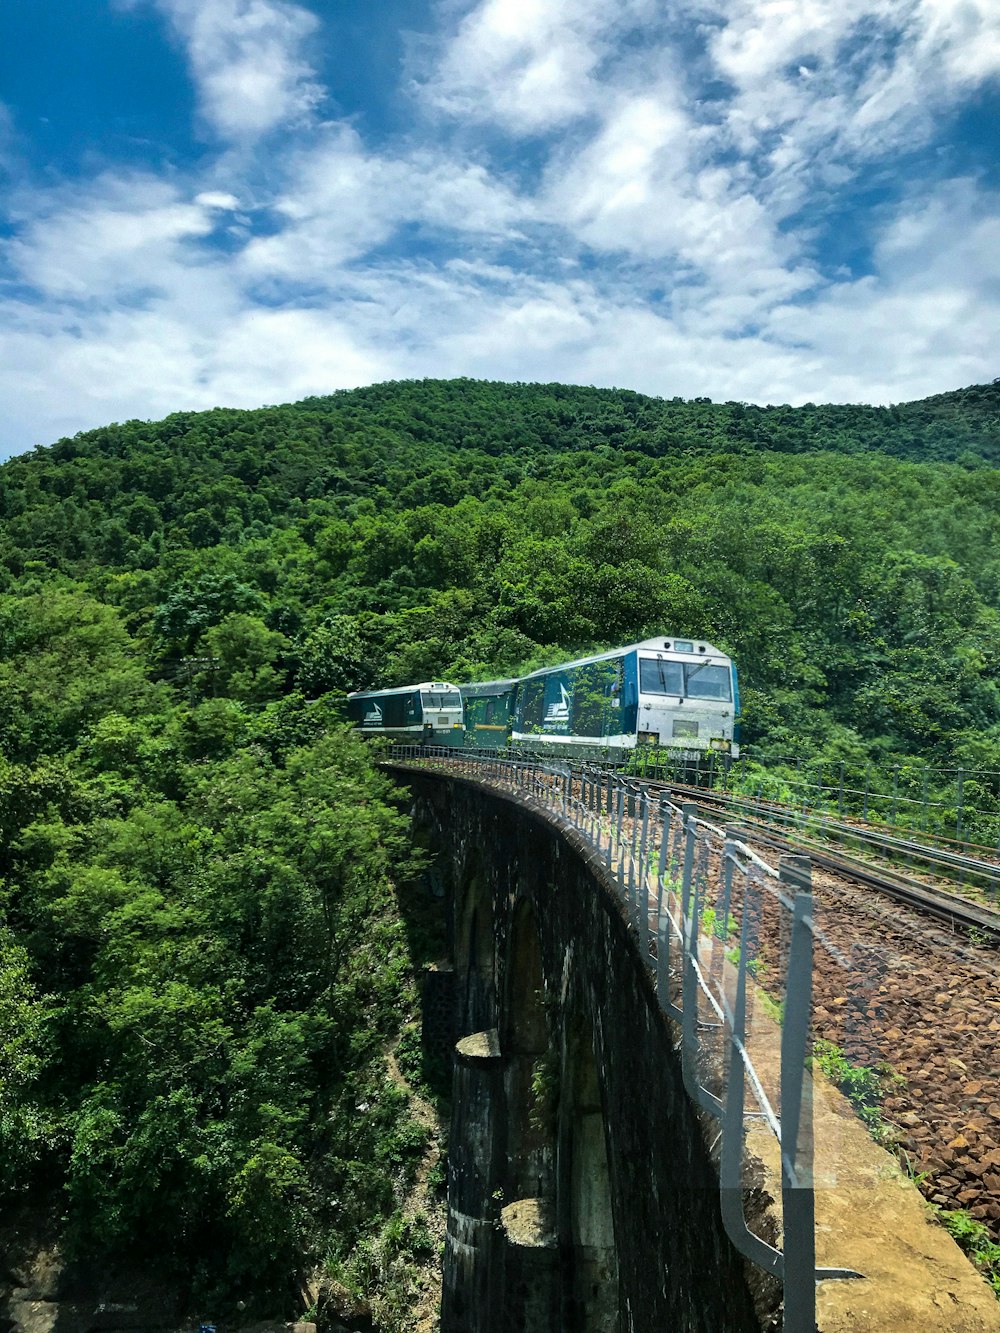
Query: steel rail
(967,866)
(955,911)
(938,856)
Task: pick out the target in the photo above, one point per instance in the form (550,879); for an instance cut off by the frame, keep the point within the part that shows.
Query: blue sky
(239,202)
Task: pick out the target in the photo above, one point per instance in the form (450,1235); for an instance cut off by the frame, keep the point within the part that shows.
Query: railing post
(731,835)
(797,1198)
(643,894)
(689,813)
(613,825)
(662,913)
(690,911)
(633,845)
(619,824)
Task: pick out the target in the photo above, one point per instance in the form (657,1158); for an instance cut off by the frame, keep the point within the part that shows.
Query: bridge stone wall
(581,1195)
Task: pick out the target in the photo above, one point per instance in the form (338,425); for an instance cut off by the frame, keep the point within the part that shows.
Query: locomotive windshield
(441,699)
(659,677)
(692,680)
(702,681)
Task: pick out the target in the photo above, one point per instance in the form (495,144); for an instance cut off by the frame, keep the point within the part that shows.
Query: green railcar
(489,708)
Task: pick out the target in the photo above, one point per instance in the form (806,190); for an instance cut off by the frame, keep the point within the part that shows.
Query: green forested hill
(202,956)
(847,556)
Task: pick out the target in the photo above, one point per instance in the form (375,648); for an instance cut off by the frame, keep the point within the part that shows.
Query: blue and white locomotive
(666,692)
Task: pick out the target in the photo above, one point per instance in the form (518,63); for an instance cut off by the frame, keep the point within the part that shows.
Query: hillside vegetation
(846,556)
(203,957)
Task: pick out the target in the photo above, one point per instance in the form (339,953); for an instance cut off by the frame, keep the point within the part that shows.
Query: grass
(712,924)
(382,1277)
(864,1086)
(974,1238)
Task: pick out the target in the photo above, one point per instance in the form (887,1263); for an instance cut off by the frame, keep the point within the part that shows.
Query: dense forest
(204,950)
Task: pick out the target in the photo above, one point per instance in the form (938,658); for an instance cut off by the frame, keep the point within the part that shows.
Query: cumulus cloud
(821,84)
(531,65)
(339,202)
(930,303)
(645,187)
(119,234)
(927,318)
(248,63)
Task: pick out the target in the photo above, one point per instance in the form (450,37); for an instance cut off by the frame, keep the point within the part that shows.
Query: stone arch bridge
(584,1187)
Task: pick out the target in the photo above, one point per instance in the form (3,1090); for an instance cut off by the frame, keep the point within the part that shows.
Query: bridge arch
(585,1213)
(475,952)
(530,1063)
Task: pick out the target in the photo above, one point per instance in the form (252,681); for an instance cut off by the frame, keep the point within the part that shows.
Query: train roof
(487,689)
(439,685)
(665,643)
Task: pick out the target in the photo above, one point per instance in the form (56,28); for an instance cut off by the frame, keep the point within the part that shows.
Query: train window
(704,681)
(595,689)
(658,676)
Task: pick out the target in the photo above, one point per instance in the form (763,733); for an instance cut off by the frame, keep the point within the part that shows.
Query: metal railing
(728,941)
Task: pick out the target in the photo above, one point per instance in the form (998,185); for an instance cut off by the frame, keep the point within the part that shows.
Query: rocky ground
(927,1003)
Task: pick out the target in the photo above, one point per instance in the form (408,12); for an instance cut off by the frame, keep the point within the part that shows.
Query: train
(666,692)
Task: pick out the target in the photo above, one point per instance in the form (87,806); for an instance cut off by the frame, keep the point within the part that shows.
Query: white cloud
(194,350)
(966,36)
(646,188)
(531,65)
(817,83)
(925,321)
(117,235)
(247,60)
(815,87)
(216,199)
(340,202)
(929,314)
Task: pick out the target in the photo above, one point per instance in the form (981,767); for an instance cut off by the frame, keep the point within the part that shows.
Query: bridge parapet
(726,943)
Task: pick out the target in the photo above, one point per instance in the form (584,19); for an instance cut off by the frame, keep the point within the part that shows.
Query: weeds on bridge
(975,1240)
(864,1086)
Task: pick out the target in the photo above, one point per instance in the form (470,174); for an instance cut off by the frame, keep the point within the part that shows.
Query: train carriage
(489,711)
(669,693)
(429,713)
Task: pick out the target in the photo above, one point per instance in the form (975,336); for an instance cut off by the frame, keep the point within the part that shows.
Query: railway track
(954,910)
